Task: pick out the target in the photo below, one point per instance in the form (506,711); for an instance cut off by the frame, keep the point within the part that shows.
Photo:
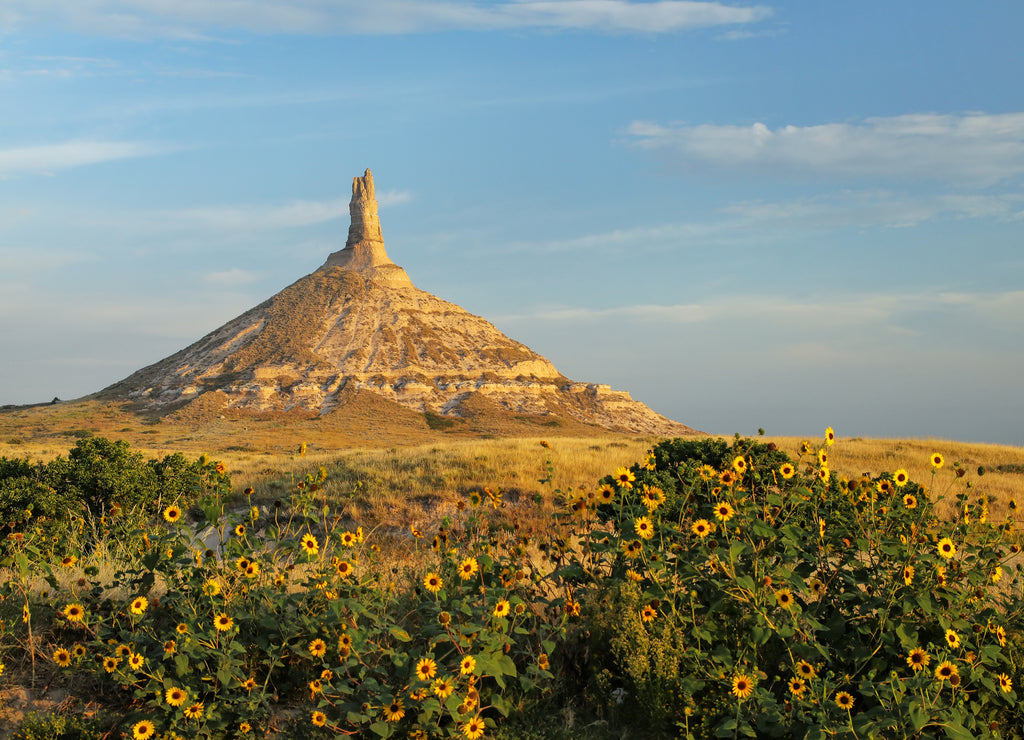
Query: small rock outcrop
(358,324)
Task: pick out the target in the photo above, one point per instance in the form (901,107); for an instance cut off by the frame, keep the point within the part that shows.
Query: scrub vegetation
(605,587)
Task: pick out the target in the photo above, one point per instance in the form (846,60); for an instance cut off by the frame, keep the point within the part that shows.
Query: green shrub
(59,726)
(292,609)
(728,591)
(101,478)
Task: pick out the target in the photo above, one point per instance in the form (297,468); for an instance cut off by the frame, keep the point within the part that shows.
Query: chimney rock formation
(358,324)
(364,251)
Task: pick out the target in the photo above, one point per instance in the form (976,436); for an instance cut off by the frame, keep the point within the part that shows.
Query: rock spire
(364,250)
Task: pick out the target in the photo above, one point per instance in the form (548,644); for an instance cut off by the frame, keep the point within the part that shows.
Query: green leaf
(956,731)
(917,715)
(381,728)
(400,634)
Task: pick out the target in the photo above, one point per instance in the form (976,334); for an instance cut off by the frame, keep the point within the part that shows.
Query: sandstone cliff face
(358,323)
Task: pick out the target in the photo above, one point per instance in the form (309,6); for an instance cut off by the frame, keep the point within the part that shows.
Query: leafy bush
(743,594)
(99,477)
(59,726)
(293,610)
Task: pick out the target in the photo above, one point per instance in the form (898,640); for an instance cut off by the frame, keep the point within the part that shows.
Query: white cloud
(50,158)
(198,18)
(975,148)
(252,217)
(882,311)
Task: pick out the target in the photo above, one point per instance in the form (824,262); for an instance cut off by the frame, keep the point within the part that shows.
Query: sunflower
(74,612)
(474,728)
(211,587)
(644,527)
(787,470)
(946,548)
(631,549)
(937,460)
(723,511)
(945,671)
(817,587)
(181,629)
(830,436)
(194,711)
(249,684)
(1001,635)
(175,696)
(394,711)
(172,514)
(824,474)
(884,486)
(222,622)
(844,700)
(648,613)
(426,669)
(62,657)
(908,574)
(78,650)
(918,659)
(318,719)
(785,598)
(244,727)
(742,685)
(502,608)
(68,560)
(136,661)
(652,497)
(444,619)
(348,539)
(821,527)
(467,665)
(997,574)
(252,569)
(910,501)
(139,605)
(952,639)
(468,568)
(317,648)
(727,478)
(901,477)
(702,528)
(309,544)
(122,651)
(804,669)
(822,458)
(110,664)
(623,477)
(797,686)
(739,464)
(1005,683)
(706,472)
(606,494)
(240,530)
(143,730)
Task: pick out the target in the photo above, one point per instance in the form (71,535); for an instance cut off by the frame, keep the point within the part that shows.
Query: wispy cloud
(761,220)
(50,158)
(973,148)
(886,310)
(200,18)
(251,217)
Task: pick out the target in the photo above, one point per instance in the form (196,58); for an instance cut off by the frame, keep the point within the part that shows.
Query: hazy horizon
(749,214)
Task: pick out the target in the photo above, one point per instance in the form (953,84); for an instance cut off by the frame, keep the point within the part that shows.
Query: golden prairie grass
(1002,481)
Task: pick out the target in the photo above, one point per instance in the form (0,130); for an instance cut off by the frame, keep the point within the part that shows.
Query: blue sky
(778,214)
